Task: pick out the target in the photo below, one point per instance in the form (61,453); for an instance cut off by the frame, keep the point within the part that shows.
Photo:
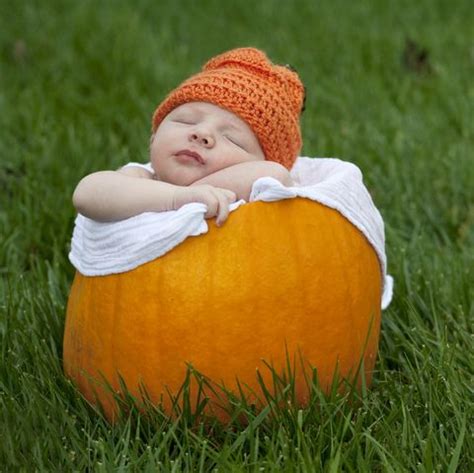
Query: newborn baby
(212,138)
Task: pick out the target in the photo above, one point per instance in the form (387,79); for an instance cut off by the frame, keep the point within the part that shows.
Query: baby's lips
(192,154)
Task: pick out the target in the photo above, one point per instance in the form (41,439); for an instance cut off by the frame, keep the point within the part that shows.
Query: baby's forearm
(110,195)
(240,177)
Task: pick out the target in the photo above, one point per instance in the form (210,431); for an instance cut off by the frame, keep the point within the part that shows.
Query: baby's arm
(240,177)
(117,195)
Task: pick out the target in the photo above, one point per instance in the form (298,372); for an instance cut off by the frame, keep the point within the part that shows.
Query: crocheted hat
(268,97)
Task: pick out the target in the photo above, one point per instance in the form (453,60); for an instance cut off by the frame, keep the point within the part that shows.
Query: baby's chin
(183,178)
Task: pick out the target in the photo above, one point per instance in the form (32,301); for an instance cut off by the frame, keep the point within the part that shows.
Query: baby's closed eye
(185,117)
(184,121)
(235,141)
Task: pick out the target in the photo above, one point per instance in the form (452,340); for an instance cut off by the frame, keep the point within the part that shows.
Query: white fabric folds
(98,248)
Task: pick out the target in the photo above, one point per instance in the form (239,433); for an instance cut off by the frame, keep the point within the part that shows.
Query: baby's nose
(203,138)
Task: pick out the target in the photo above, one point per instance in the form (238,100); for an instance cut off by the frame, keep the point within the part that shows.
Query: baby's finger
(212,204)
(229,195)
(223,211)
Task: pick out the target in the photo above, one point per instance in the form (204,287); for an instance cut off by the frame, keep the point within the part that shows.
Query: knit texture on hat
(268,97)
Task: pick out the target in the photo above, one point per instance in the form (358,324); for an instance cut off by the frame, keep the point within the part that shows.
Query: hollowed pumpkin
(286,278)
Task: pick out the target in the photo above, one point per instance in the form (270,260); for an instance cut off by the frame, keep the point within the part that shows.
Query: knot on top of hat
(240,58)
(256,62)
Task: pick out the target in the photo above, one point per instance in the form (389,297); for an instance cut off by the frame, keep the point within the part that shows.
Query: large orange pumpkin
(289,278)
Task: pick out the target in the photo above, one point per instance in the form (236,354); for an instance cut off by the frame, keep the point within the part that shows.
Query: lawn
(389,88)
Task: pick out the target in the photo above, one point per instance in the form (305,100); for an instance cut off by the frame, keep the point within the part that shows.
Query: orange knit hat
(268,97)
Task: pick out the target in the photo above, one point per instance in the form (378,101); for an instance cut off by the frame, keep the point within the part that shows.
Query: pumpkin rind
(290,275)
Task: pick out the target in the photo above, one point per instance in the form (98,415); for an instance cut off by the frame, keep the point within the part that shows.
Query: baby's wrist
(177,198)
(182,195)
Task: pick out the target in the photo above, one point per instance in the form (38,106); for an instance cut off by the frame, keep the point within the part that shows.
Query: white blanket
(99,249)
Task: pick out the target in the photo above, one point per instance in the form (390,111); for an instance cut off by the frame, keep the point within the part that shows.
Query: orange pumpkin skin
(289,278)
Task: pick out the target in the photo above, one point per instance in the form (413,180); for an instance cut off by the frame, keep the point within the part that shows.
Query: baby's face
(197,139)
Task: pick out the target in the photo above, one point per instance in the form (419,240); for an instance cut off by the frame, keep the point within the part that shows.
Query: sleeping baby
(212,137)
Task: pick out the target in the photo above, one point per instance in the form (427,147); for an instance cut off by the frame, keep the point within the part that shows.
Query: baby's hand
(216,199)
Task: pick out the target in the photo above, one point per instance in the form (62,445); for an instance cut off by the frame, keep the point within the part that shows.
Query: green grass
(78,84)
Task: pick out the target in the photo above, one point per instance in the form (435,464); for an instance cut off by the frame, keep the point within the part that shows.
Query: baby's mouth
(192,154)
